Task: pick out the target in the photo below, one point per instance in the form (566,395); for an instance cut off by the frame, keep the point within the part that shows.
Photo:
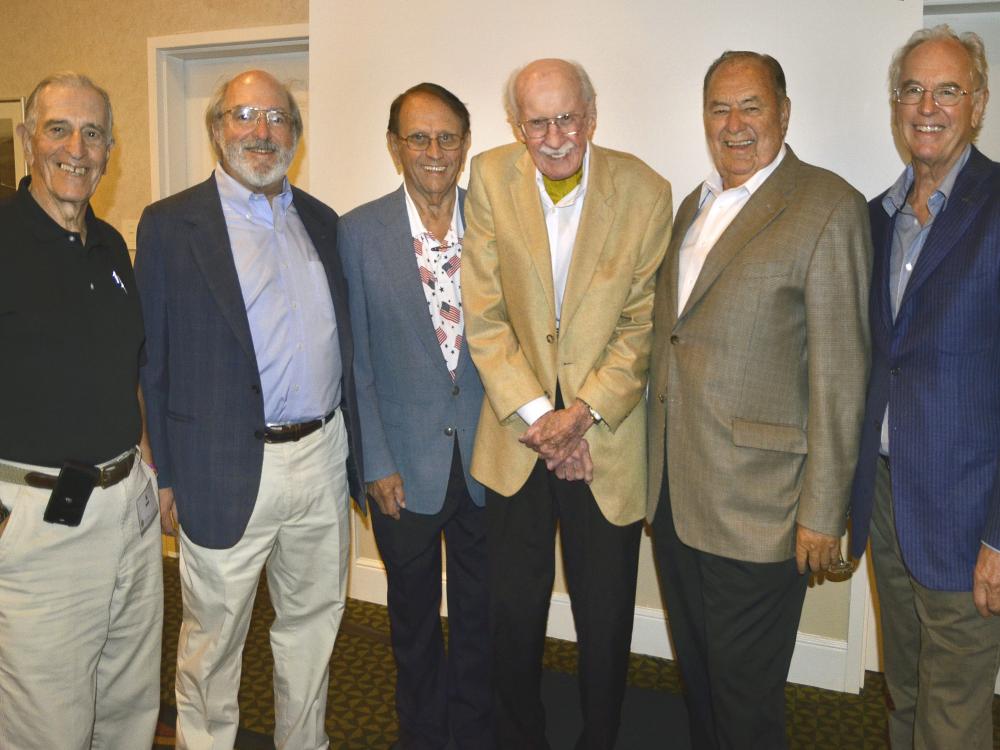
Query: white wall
(646,57)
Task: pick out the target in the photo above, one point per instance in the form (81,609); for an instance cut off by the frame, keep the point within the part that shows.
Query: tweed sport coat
(757,387)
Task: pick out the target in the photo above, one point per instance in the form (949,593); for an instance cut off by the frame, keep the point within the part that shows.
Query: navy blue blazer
(201,383)
(938,366)
(411,411)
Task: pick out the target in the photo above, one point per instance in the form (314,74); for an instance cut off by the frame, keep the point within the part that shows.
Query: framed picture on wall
(12,166)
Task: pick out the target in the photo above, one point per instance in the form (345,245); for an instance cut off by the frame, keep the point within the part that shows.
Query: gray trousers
(941,657)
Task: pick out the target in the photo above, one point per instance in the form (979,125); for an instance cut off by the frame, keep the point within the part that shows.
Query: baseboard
(817,661)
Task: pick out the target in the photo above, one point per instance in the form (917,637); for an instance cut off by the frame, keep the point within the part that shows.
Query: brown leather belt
(111,473)
(289,433)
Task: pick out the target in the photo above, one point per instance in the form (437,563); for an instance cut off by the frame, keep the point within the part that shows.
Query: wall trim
(818,661)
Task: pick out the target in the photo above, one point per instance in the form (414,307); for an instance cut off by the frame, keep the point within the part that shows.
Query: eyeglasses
(568,123)
(422,141)
(247,117)
(943,96)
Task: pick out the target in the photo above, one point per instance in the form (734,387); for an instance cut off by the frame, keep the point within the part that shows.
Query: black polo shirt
(70,339)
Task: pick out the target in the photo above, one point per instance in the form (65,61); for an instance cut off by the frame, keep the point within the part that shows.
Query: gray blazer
(756,390)
(410,408)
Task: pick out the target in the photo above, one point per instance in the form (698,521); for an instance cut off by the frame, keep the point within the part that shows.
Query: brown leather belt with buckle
(110,474)
(289,433)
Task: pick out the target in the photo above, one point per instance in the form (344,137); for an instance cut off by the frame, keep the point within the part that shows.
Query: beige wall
(106,39)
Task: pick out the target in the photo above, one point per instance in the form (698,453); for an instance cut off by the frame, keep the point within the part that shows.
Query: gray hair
(970,40)
(587,92)
(213,113)
(772,66)
(70,79)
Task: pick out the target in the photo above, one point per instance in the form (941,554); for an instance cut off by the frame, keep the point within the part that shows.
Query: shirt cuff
(534,409)
(985,544)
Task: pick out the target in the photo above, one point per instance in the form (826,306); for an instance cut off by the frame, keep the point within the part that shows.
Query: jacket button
(550,338)
(661,398)
(455,390)
(894,371)
(449,431)
(255,388)
(259,434)
(675,339)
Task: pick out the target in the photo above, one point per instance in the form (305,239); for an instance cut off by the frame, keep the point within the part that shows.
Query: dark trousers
(733,625)
(439,696)
(601,561)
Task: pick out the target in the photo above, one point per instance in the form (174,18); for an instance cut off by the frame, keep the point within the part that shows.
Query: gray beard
(234,152)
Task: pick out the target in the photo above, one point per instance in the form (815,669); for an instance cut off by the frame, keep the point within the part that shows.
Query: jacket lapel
(528,210)
(214,256)
(595,224)
(764,205)
(948,228)
(685,217)
(882,228)
(400,266)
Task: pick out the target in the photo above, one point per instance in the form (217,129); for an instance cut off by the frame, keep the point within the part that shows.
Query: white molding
(817,661)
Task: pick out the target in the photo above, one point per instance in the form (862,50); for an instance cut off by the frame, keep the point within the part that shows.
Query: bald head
(242,82)
(565,75)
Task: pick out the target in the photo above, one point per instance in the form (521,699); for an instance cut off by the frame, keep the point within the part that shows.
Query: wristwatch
(593,412)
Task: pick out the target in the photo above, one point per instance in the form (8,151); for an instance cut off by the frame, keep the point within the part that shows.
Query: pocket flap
(768,436)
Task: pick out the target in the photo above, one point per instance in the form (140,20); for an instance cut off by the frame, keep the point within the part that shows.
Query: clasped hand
(557,437)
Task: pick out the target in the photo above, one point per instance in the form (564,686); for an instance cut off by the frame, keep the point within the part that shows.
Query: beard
(257,175)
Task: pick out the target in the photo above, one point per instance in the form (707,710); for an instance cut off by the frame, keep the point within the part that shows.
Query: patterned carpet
(360,706)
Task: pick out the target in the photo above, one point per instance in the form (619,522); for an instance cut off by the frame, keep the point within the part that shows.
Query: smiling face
(68,150)
(745,123)
(546,89)
(258,155)
(430,175)
(935,135)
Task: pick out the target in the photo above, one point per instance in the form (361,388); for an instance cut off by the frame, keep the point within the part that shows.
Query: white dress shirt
(716,211)
(562,220)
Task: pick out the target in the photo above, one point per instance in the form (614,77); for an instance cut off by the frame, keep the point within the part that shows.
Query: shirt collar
(895,197)
(43,225)
(713,183)
(417,229)
(245,200)
(573,195)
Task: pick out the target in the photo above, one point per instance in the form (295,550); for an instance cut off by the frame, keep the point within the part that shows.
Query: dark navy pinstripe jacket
(938,366)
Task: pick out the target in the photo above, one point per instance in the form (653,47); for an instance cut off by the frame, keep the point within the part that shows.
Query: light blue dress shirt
(288,303)
(908,237)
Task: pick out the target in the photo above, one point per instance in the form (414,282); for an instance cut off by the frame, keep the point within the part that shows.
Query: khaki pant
(941,657)
(81,615)
(299,530)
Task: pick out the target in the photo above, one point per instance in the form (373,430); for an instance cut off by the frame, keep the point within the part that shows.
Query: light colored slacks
(299,531)
(941,657)
(81,617)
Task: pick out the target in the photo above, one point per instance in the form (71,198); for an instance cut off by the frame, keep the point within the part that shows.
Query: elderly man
(419,397)
(563,242)
(760,357)
(249,389)
(926,485)
(81,584)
